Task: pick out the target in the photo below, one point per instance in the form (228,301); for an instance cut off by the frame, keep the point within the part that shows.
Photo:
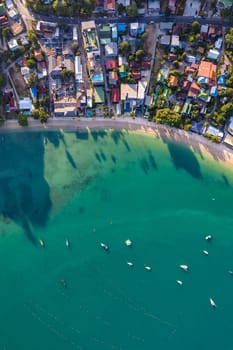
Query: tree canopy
(166,116)
(132,10)
(124,48)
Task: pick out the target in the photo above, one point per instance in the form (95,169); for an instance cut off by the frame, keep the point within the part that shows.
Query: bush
(22,119)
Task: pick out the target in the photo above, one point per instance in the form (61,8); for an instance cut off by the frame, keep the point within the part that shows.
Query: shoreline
(197,143)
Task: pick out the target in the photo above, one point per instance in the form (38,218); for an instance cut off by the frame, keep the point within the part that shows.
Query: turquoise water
(107,187)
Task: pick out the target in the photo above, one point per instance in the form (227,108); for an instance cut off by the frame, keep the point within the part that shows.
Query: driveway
(192,7)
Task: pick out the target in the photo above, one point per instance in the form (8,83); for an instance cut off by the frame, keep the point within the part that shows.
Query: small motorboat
(148,268)
(230,272)
(129,263)
(179,282)
(104,246)
(212,303)
(41,242)
(67,243)
(208,238)
(184,267)
(205,252)
(128,242)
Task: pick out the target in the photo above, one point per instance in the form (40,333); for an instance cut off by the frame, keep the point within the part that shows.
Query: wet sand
(196,142)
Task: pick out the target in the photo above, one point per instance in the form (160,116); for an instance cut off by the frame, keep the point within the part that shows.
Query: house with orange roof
(113,78)
(208,70)
(173,81)
(110,5)
(194,90)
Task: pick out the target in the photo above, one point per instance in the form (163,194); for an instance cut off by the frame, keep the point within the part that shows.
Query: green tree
(124,48)
(32,38)
(166,116)
(35,113)
(22,119)
(33,80)
(225,12)
(120,9)
(167,11)
(2,80)
(21,49)
(6,33)
(144,36)
(132,10)
(43,116)
(67,74)
(195,27)
(31,63)
(139,55)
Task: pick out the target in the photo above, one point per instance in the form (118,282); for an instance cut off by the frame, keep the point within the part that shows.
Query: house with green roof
(224,4)
(123,71)
(2,10)
(99,94)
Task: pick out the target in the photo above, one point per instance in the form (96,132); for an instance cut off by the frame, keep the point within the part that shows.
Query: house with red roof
(136,75)
(115,95)
(134,64)
(145,64)
(110,64)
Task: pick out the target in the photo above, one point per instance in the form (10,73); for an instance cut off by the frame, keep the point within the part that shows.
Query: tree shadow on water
(184,158)
(24,192)
(70,159)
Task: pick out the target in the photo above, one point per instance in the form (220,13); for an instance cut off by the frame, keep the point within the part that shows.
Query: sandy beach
(197,143)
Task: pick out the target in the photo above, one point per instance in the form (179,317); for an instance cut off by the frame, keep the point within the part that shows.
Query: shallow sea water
(108,186)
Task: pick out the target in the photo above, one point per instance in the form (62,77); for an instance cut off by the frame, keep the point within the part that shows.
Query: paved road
(146,19)
(28,15)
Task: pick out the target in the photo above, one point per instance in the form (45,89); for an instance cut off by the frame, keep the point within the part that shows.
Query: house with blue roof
(121,27)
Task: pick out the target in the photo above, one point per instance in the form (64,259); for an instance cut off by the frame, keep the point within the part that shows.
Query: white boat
(41,242)
(212,302)
(208,238)
(205,252)
(179,282)
(148,268)
(128,242)
(104,246)
(129,263)
(184,267)
(67,243)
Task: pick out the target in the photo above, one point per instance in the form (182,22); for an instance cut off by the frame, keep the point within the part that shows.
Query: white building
(25,104)
(75,33)
(13,45)
(142,84)
(78,68)
(218,44)
(175,41)
(213,54)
